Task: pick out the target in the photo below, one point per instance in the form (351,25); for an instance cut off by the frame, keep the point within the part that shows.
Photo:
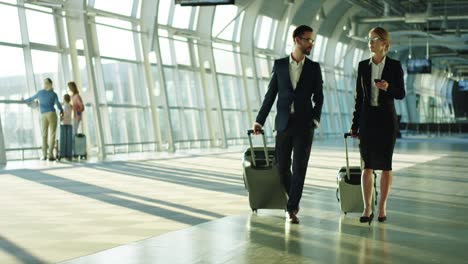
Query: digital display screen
(463,85)
(418,66)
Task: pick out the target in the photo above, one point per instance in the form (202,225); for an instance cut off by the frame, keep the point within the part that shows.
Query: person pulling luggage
(379,83)
(297,81)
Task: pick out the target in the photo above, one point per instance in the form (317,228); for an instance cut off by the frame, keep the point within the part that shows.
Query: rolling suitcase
(79,146)
(66,142)
(349,192)
(261,177)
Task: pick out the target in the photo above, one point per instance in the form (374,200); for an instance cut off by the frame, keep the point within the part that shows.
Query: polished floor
(193,208)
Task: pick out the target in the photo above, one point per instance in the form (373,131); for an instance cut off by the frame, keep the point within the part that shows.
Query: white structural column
(205,25)
(2,145)
(149,10)
(62,45)
(283,26)
(78,28)
(30,81)
(162,98)
(247,48)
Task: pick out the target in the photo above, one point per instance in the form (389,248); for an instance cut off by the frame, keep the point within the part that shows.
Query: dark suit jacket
(393,74)
(309,86)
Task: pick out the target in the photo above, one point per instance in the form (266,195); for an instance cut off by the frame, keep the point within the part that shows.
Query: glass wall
(36,53)
(194,91)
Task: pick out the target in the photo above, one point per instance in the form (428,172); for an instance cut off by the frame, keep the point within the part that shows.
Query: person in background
(66,132)
(379,82)
(47,99)
(77,104)
(297,83)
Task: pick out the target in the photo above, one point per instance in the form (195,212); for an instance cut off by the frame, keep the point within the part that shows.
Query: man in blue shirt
(47,98)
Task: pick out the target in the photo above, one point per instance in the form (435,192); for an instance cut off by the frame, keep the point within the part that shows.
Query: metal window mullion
(120,88)
(171,14)
(145,46)
(206,101)
(135,9)
(194,124)
(218,103)
(3,159)
(177,85)
(193,72)
(247,49)
(204,29)
(139,78)
(162,75)
(61,43)
(30,80)
(90,52)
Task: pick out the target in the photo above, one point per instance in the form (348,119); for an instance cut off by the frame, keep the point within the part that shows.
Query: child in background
(66,129)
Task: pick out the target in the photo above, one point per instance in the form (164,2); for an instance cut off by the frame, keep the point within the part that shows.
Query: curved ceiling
(435,27)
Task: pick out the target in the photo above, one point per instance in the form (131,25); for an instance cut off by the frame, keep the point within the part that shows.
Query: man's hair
(49,80)
(300,30)
(67,98)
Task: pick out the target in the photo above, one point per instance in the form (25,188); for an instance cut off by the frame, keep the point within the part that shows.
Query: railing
(142,144)
(433,128)
(22,150)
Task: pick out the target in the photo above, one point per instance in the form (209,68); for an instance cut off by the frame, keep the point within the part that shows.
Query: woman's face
(376,43)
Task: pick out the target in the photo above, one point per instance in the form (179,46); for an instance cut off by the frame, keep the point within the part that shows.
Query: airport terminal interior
(169,90)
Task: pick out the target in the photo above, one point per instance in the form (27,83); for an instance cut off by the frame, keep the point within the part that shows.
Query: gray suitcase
(261,177)
(349,192)
(79,146)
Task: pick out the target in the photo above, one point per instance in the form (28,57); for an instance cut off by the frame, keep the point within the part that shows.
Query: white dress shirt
(376,73)
(295,70)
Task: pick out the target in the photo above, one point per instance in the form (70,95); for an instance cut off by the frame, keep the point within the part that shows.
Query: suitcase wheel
(254,210)
(345,213)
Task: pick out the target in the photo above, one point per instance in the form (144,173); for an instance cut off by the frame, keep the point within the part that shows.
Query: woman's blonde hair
(383,34)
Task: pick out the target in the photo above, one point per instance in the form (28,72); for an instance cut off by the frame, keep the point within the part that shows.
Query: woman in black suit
(379,82)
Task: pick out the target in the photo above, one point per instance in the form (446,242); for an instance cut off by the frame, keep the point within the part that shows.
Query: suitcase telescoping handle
(346,135)
(249,133)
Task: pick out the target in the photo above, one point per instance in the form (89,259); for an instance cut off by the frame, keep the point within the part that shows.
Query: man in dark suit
(297,81)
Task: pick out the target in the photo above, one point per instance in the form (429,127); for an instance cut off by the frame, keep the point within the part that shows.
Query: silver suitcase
(349,191)
(261,177)
(79,146)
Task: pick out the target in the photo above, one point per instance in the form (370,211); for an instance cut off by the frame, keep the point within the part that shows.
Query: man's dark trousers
(299,139)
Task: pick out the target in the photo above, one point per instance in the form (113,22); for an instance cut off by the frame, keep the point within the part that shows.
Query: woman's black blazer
(393,74)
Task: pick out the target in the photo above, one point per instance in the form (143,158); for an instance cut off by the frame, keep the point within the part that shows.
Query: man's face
(306,42)
(47,84)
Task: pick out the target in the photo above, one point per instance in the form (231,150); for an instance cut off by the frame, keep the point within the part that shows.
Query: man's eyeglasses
(311,41)
(374,39)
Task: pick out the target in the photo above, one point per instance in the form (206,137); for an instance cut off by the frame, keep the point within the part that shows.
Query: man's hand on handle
(256,128)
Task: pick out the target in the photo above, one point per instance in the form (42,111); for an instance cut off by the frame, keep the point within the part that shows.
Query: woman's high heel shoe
(382,218)
(365,219)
